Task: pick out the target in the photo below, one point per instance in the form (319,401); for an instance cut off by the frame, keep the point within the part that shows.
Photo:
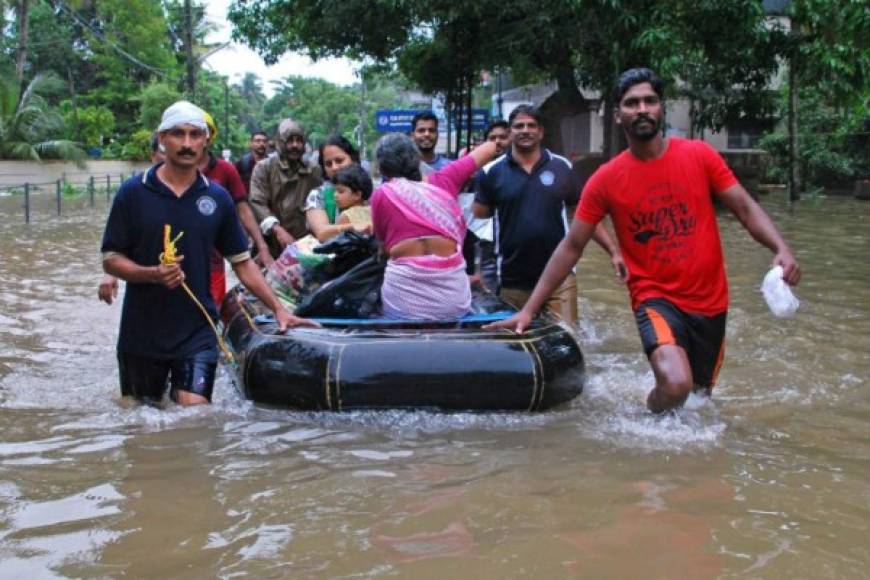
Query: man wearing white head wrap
(280,187)
(183,113)
(163,334)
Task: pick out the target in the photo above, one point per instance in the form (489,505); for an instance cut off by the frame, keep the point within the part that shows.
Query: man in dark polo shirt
(163,333)
(527,191)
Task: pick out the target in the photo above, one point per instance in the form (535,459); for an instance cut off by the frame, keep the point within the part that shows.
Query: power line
(111,44)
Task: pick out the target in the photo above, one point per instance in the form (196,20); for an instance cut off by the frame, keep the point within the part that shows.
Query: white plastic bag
(778,295)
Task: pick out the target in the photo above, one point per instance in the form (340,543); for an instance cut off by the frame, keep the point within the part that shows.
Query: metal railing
(68,194)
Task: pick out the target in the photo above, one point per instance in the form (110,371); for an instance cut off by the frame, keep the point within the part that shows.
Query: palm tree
(28,128)
(251,89)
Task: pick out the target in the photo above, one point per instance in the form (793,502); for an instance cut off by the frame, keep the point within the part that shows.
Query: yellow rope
(168,258)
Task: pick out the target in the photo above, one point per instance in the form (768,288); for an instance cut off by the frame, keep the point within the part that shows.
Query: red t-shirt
(225,173)
(665,222)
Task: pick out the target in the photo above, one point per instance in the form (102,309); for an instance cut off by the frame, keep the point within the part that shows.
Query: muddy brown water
(770,479)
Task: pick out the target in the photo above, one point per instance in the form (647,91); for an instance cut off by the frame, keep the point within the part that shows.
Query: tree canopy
(119,61)
(441,44)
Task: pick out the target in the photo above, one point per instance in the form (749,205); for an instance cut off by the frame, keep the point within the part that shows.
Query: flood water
(769,479)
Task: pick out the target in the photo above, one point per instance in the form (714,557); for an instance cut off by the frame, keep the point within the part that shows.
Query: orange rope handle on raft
(169,257)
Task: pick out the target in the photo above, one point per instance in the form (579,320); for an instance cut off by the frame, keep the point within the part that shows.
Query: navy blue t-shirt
(157,322)
(530,213)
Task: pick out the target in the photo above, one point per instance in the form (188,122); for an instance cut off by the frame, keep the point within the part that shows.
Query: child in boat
(353,187)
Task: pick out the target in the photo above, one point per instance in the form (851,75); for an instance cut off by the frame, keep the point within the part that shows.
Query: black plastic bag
(349,248)
(355,294)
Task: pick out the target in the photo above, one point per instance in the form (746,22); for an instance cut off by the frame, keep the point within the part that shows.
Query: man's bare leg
(673,378)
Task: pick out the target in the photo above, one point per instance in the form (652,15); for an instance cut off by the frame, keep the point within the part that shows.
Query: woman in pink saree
(421,227)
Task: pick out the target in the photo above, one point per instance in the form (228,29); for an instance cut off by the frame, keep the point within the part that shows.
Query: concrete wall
(678,122)
(596,129)
(14,173)
(575,134)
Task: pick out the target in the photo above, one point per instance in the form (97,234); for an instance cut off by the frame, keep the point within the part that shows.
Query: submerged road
(769,479)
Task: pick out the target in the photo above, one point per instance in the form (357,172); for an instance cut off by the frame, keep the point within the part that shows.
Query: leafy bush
(89,125)
(138,148)
(833,145)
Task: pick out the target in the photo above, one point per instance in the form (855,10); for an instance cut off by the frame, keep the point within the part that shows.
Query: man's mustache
(644,118)
(186,152)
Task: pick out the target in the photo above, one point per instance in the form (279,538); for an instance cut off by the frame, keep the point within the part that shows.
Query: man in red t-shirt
(225,173)
(659,195)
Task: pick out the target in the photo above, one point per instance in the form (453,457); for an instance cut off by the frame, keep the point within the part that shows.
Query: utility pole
(794,177)
(75,108)
(23,32)
(226,139)
(500,101)
(362,115)
(468,110)
(188,47)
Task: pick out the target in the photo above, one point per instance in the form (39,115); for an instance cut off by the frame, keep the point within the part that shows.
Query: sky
(237,59)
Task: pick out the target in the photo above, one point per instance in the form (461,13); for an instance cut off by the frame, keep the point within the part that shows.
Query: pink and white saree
(424,287)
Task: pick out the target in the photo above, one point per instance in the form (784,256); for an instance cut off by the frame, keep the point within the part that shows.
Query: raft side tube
(413,365)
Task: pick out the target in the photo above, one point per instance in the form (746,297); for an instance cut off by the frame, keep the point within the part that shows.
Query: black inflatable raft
(379,364)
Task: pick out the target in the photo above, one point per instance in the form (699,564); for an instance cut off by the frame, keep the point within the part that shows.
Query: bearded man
(279,187)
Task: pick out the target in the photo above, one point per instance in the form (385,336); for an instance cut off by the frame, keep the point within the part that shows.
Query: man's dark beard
(644,136)
(299,153)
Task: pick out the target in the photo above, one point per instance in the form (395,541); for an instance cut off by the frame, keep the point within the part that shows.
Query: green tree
(322,107)
(590,42)
(88,125)
(250,89)
(831,43)
(132,49)
(382,91)
(51,47)
(457,70)
(137,147)
(575,42)
(325,108)
(153,100)
(825,48)
(28,128)
(353,28)
(834,142)
(226,106)
(188,28)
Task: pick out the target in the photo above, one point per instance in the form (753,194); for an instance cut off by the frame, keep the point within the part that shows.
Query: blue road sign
(479,118)
(399,120)
(394,120)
